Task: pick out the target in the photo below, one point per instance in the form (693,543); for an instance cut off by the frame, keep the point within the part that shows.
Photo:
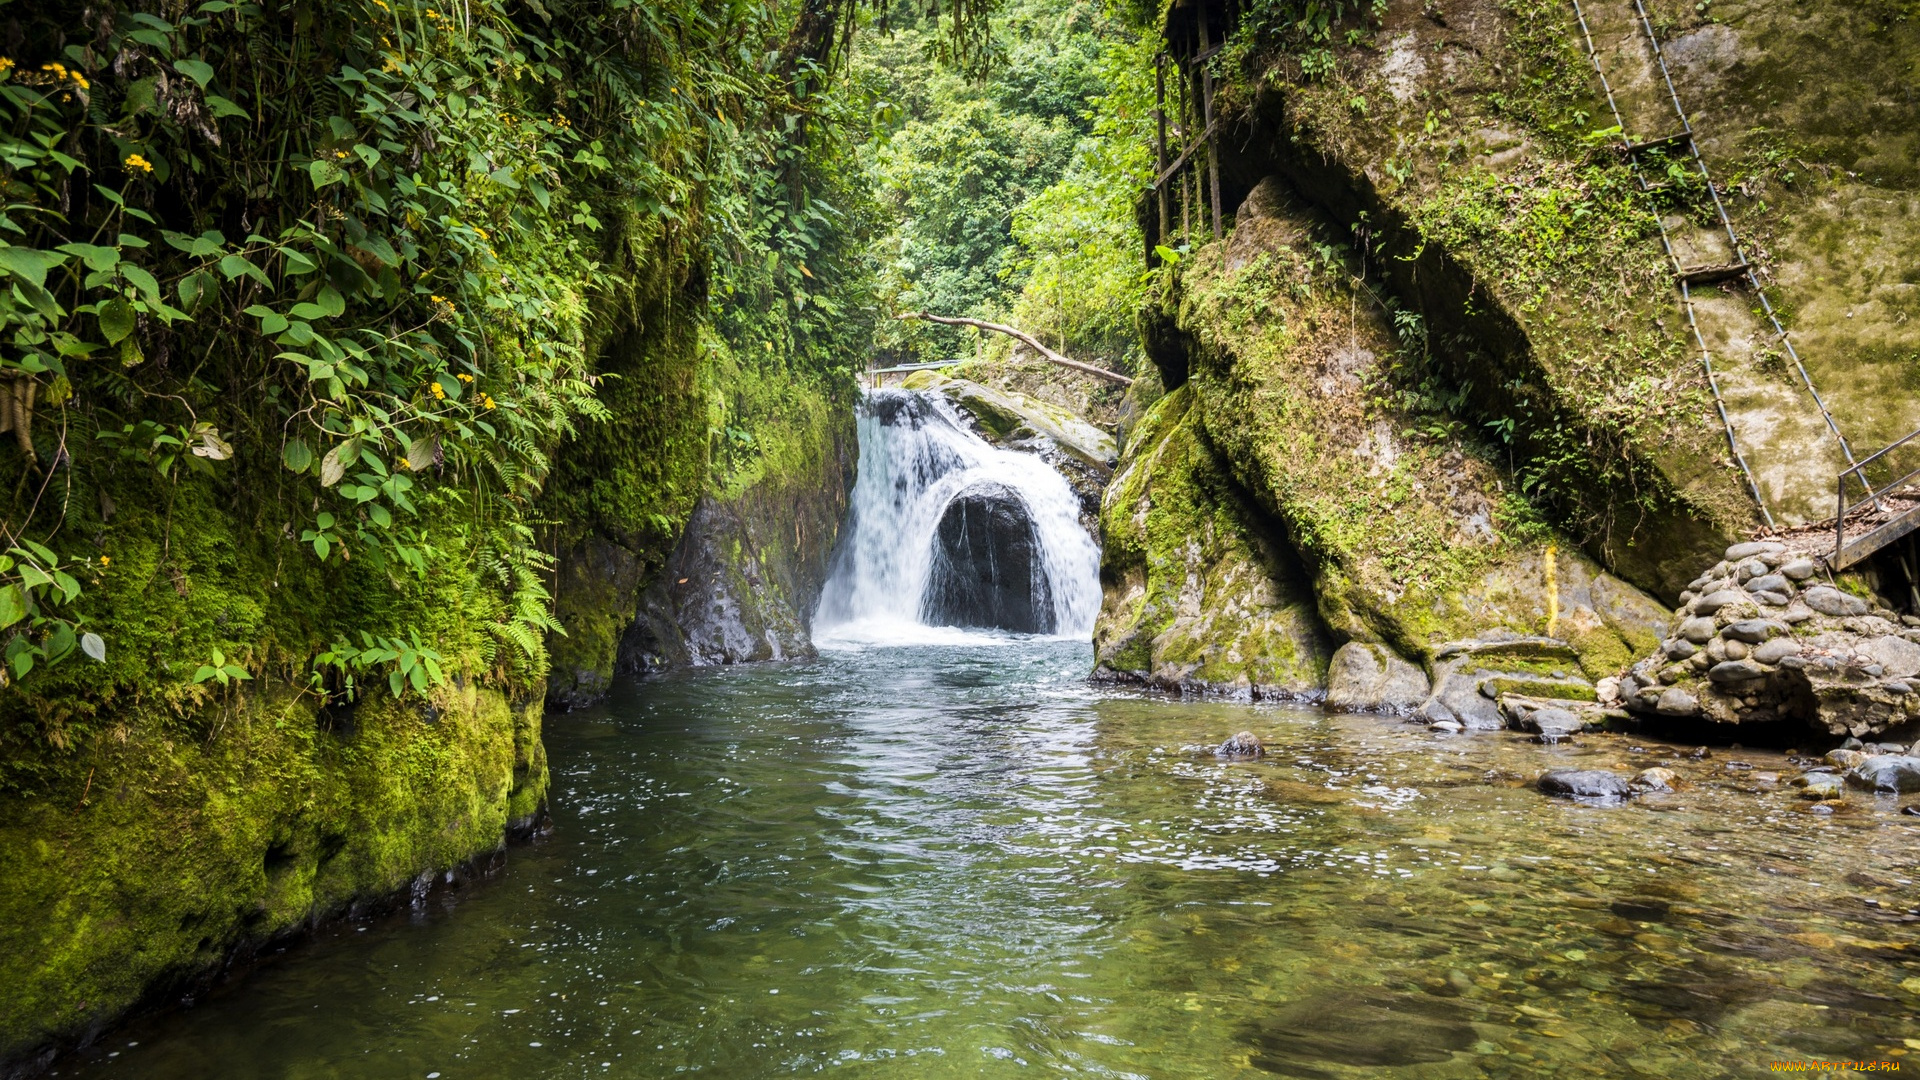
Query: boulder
(1895,773)
(1366,677)
(1585,784)
(1740,552)
(1820,785)
(1554,723)
(987,570)
(1674,701)
(1799,569)
(1655,779)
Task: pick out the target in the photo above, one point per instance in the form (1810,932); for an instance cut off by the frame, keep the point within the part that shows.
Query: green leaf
(95,256)
(30,264)
(59,643)
(197,70)
(297,455)
(145,282)
(13,605)
(235,265)
(308,311)
(94,646)
(324,172)
(116,319)
(68,587)
(222,107)
(22,663)
(330,300)
(204,673)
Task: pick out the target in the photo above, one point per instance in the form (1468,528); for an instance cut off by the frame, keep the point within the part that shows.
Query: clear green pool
(965,862)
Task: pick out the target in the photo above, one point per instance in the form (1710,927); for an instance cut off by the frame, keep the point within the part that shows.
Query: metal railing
(1844,554)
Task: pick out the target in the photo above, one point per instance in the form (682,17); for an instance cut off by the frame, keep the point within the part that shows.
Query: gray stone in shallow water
(1585,784)
(1831,601)
(1888,773)
(1731,671)
(1820,785)
(1244,745)
(1554,723)
(1655,779)
(1698,631)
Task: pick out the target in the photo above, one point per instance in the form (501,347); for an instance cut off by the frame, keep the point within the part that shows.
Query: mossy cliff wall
(1455,142)
(1413,531)
(696,529)
(151,826)
(1202,593)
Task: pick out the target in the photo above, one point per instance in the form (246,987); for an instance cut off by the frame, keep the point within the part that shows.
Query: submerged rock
(1894,773)
(1820,785)
(1244,745)
(1585,784)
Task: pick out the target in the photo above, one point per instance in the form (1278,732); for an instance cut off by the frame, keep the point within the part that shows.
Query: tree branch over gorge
(1021,336)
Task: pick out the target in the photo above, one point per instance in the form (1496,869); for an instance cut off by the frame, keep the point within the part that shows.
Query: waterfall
(946,530)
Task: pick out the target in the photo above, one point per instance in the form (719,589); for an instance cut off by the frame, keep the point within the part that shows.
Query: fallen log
(1023,336)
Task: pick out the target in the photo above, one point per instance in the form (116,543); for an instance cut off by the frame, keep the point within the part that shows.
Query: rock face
(1411,537)
(1373,678)
(1758,639)
(987,569)
(1202,592)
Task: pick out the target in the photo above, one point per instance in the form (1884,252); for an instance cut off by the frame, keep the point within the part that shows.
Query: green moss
(1199,592)
(163,852)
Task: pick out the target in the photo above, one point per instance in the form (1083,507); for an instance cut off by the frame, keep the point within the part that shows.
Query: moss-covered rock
(1413,534)
(1201,594)
(175,846)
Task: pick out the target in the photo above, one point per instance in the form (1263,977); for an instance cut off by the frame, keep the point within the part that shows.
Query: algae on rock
(1201,595)
(1412,536)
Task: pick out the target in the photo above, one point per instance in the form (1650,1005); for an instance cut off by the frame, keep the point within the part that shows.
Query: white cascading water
(916,457)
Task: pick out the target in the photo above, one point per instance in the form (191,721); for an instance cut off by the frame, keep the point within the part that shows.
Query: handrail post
(1160,145)
(1213,142)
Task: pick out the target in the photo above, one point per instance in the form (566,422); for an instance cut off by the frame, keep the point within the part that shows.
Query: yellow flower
(105,560)
(135,162)
(6,63)
(482,232)
(486,401)
(383,5)
(439,392)
(464,377)
(339,153)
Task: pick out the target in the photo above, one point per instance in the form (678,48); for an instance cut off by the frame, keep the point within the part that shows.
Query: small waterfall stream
(946,532)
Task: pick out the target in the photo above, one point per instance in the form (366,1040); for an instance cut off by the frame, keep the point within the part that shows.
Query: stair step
(1887,534)
(1633,149)
(1709,273)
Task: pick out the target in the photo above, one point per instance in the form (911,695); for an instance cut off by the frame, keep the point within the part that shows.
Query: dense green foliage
(1012,195)
(305,304)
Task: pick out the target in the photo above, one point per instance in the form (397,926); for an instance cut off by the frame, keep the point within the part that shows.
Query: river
(963,860)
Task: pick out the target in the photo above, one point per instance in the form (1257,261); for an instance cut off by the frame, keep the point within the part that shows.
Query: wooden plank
(1708,274)
(1890,533)
(1656,144)
(1181,161)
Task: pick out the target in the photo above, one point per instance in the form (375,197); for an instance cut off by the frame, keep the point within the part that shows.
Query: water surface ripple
(962,861)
